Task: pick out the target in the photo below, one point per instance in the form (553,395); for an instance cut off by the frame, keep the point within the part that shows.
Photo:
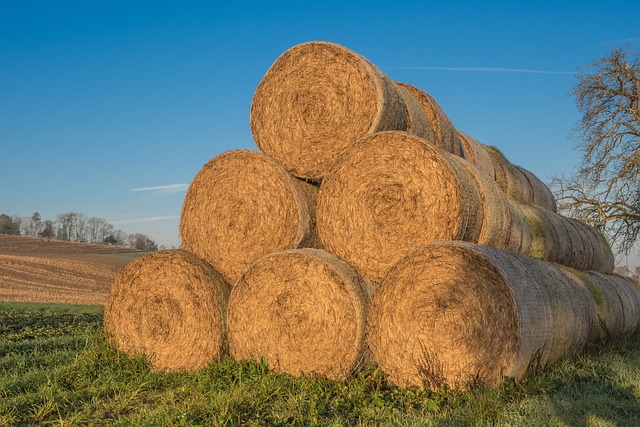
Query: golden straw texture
(391,192)
(303,310)
(457,313)
(446,136)
(169,306)
(418,123)
(573,310)
(477,154)
(496,218)
(315,100)
(242,205)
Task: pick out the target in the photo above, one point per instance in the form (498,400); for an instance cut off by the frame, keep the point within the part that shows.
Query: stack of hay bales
(368,229)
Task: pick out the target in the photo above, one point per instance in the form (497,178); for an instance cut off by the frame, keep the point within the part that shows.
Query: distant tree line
(74,227)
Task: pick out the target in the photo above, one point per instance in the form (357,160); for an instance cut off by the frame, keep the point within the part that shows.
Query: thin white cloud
(164,188)
(630,40)
(146,219)
(486,70)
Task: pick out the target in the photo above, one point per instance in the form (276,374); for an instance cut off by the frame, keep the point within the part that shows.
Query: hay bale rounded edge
(315,100)
(391,192)
(457,313)
(304,311)
(169,306)
(446,136)
(242,205)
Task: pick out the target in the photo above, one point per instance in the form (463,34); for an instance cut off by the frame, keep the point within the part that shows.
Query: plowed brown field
(39,270)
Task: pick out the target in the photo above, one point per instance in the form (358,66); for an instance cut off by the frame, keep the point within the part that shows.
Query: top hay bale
(315,100)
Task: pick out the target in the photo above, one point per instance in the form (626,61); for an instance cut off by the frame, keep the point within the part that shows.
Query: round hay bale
(477,154)
(573,310)
(565,240)
(520,237)
(242,205)
(610,305)
(446,136)
(496,217)
(598,298)
(500,167)
(606,260)
(542,195)
(511,179)
(169,306)
(303,310)
(584,252)
(518,184)
(603,259)
(418,123)
(546,243)
(574,242)
(391,192)
(315,100)
(630,298)
(457,313)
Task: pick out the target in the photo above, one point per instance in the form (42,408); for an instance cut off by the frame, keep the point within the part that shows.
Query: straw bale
(457,313)
(567,241)
(391,192)
(446,136)
(477,154)
(303,310)
(242,205)
(603,259)
(590,250)
(548,240)
(520,237)
(169,306)
(418,123)
(542,195)
(630,297)
(612,305)
(499,166)
(572,307)
(496,218)
(315,100)
(510,178)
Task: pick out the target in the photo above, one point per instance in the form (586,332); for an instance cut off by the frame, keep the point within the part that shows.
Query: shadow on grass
(598,388)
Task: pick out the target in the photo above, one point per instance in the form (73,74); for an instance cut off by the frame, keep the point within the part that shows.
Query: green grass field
(56,368)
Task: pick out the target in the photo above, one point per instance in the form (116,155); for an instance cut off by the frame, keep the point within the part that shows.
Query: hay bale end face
(304,311)
(315,100)
(242,205)
(456,313)
(389,193)
(169,306)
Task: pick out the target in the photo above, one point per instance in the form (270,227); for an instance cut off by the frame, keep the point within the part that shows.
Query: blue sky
(110,108)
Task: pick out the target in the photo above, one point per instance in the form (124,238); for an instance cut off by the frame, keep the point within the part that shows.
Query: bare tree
(605,188)
(65,226)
